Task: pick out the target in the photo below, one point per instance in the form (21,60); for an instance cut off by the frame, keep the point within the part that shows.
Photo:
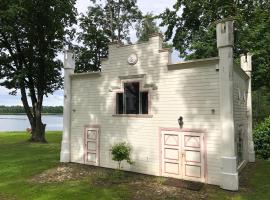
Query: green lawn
(20,161)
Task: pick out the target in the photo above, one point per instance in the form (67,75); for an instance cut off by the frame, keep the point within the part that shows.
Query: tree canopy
(104,23)
(191,25)
(146,27)
(122,14)
(94,38)
(31,34)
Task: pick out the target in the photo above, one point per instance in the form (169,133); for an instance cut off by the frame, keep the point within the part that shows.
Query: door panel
(171,154)
(182,155)
(171,168)
(171,139)
(192,171)
(91,146)
(193,156)
(192,141)
(91,157)
(91,134)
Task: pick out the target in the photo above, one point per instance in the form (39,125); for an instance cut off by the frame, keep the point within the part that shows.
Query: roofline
(193,63)
(240,72)
(86,74)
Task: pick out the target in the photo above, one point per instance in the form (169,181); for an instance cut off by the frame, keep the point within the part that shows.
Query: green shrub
(261,139)
(121,152)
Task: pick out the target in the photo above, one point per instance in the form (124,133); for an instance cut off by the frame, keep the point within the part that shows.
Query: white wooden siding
(191,93)
(240,87)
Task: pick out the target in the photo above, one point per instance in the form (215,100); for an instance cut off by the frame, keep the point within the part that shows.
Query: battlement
(225,33)
(69,59)
(246,62)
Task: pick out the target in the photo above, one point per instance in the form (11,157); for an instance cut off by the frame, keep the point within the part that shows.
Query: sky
(152,6)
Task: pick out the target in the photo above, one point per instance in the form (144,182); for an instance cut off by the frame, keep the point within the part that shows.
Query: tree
(146,27)
(121,14)
(260,104)
(20,109)
(261,138)
(195,30)
(121,152)
(103,23)
(31,34)
(94,38)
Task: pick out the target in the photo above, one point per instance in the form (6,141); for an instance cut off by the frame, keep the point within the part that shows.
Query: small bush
(121,152)
(261,138)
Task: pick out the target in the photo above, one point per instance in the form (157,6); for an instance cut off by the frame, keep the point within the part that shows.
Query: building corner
(246,65)
(225,42)
(69,66)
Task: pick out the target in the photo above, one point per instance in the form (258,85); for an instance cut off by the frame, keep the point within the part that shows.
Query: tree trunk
(34,117)
(119,165)
(111,20)
(118,22)
(38,133)
(38,128)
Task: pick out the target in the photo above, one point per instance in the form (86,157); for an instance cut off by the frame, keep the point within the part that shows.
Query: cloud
(55,99)
(155,6)
(82,5)
(6,99)
(9,100)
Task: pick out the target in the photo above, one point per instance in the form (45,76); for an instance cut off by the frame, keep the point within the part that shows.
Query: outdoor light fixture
(180,122)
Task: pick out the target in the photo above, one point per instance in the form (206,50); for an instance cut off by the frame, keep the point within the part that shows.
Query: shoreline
(25,114)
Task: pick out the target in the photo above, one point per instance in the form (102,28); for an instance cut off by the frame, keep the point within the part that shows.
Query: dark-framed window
(132,100)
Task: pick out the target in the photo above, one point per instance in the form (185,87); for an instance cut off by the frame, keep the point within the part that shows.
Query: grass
(21,160)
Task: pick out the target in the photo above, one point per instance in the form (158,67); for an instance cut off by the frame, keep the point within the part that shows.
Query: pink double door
(183,155)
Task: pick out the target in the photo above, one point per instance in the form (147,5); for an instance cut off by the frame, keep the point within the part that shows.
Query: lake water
(20,122)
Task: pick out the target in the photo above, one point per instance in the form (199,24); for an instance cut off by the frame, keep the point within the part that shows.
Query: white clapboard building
(190,120)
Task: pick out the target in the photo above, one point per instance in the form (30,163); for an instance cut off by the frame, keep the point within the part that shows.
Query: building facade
(190,120)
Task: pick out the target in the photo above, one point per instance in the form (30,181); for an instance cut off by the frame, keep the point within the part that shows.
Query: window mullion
(124,102)
(140,103)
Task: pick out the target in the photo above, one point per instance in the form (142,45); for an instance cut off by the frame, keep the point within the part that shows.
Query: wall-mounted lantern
(180,122)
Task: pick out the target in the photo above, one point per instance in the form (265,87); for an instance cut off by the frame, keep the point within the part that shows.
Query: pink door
(182,155)
(91,146)
(171,156)
(193,156)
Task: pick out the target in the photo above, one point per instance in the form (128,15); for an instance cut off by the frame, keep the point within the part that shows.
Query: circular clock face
(132,59)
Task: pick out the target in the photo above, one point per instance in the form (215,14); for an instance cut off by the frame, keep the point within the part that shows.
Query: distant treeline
(20,110)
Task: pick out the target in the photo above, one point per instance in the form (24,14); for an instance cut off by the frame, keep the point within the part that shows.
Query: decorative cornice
(132,76)
(113,88)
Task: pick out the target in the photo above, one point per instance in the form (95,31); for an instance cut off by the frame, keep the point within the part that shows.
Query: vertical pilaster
(246,65)
(225,42)
(69,66)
